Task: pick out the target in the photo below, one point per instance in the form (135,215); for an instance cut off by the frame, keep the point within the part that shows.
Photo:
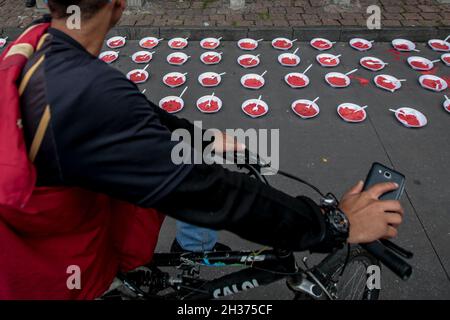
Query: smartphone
(380,174)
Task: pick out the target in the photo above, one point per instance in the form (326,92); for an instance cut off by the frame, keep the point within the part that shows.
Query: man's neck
(91,35)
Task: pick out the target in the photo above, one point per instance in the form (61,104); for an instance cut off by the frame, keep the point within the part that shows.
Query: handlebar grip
(396,264)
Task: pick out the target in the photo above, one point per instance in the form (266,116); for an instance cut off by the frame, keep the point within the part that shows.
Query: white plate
(446,59)
(389,79)
(354,107)
(307,102)
(142,53)
(177,55)
(207,99)
(105,53)
(248,40)
(429,64)
(144,40)
(209,75)
(260,104)
(297,74)
(173,41)
(368,66)
(289,56)
(328,42)
(446,105)
(252,76)
(245,56)
(411,46)
(338,75)
(423,121)
(110,42)
(433,78)
(440,42)
(354,41)
(170,98)
(209,53)
(174,74)
(212,40)
(328,56)
(138,70)
(2,42)
(289,42)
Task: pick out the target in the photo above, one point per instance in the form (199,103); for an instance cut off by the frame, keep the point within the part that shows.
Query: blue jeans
(194,238)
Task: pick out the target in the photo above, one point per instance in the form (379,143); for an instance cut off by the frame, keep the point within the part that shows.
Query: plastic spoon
(263,74)
(296,50)
(351,72)
(259,40)
(446,98)
(182,93)
(222,74)
(307,69)
(257,56)
(332,59)
(314,101)
(256,108)
(211,99)
(446,39)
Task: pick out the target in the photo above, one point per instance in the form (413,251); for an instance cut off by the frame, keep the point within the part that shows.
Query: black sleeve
(216,198)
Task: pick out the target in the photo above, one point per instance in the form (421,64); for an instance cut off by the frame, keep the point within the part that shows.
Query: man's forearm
(216,198)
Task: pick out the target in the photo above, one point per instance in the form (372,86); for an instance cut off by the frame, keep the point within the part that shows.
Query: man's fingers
(379,189)
(394,219)
(358,188)
(393,206)
(391,233)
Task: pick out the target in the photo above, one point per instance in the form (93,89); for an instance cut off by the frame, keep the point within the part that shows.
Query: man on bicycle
(102,154)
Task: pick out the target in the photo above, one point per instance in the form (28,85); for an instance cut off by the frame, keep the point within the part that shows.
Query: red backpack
(50,235)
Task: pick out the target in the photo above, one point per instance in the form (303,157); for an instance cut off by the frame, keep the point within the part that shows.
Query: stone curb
(418,34)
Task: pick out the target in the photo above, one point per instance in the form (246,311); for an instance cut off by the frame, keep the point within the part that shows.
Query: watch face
(339,221)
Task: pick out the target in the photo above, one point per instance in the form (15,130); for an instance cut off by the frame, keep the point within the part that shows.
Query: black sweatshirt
(105,136)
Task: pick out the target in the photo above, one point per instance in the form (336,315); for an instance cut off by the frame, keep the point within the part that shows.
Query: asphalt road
(334,154)
(331,153)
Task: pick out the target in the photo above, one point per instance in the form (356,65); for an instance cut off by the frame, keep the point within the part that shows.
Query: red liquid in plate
(149,44)
(420,64)
(349,113)
(109,58)
(447,59)
(138,76)
(248,62)
(305,110)
(433,84)
(260,109)
(143,58)
(372,64)
(211,59)
(289,61)
(283,44)
(174,81)
(402,47)
(171,106)
(178,44)
(361,45)
(253,83)
(382,81)
(296,81)
(448,107)
(209,106)
(210,45)
(210,81)
(321,44)
(337,81)
(440,46)
(176,60)
(248,45)
(328,61)
(409,119)
(116,43)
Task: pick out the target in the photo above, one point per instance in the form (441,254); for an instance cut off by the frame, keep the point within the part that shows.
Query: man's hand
(224,143)
(371,219)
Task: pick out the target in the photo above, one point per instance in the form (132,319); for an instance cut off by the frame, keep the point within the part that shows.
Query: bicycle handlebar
(385,251)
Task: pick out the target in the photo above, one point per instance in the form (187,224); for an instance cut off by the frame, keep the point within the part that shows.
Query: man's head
(88,8)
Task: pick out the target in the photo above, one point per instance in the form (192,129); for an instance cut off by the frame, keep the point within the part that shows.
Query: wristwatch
(338,224)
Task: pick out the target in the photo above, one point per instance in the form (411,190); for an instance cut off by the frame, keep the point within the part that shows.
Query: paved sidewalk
(264,13)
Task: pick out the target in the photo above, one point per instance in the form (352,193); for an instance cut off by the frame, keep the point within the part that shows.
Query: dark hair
(58,8)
